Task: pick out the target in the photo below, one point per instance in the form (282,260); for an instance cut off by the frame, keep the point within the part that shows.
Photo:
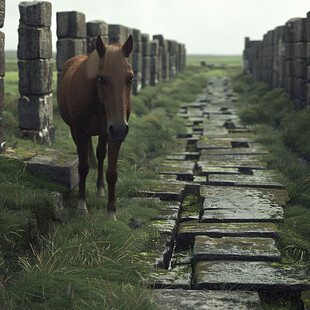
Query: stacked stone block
(2,73)
(93,29)
(163,58)
(308,58)
(71,33)
(282,59)
(154,62)
(35,106)
(146,60)
(137,60)
(173,48)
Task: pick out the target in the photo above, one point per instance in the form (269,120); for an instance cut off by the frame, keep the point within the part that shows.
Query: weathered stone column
(35,63)
(2,73)
(300,63)
(308,57)
(95,28)
(172,48)
(136,60)
(146,60)
(154,62)
(71,34)
(164,58)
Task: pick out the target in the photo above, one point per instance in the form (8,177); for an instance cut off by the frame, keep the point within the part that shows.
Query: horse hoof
(100,192)
(81,207)
(111,216)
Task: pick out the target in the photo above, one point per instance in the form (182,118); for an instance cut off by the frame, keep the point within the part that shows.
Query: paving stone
(187,231)
(183,169)
(235,248)
(19,153)
(259,178)
(206,300)
(254,149)
(210,170)
(214,132)
(182,258)
(165,190)
(213,144)
(165,226)
(230,163)
(239,275)
(235,204)
(60,167)
(178,277)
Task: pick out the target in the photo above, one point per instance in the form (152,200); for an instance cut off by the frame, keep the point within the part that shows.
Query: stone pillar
(245,56)
(163,58)
(2,73)
(93,29)
(154,62)
(172,48)
(308,57)
(136,60)
(183,57)
(71,34)
(300,63)
(146,60)
(35,63)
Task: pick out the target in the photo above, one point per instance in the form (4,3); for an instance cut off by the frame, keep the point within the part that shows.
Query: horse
(94,100)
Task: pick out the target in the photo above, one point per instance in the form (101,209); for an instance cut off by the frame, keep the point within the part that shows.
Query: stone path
(224,254)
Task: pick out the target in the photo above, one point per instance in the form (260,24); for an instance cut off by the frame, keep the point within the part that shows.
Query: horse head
(114,79)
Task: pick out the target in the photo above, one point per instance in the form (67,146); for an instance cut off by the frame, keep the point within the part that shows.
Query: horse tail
(91,154)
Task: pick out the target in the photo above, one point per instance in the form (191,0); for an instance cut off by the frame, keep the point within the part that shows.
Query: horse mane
(111,59)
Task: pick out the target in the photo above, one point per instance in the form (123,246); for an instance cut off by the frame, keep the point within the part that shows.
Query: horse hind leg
(82,143)
(101,153)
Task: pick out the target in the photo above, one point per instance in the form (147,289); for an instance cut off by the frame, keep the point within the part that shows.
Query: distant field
(229,60)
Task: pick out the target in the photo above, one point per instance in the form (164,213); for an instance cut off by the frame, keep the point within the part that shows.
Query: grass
(229,60)
(52,259)
(285,133)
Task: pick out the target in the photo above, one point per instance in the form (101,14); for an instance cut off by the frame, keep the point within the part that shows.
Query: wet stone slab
(209,170)
(259,178)
(255,149)
(213,144)
(178,277)
(235,248)
(204,161)
(58,166)
(164,190)
(239,275)
(214,131)
(206,300)
(187,231)
(238,204)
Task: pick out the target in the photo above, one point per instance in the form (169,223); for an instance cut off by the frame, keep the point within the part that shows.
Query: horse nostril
(111,131)
(126,130)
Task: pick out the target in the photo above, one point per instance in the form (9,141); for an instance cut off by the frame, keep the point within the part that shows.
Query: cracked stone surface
(206,300)
(235,248)
(187,231)
(213,144)
(232,275)
(237,204)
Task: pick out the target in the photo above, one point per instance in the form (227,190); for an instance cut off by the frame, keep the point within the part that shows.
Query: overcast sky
(205,26)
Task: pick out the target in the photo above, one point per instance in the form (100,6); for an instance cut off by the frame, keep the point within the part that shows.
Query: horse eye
(130,80)
(101,80)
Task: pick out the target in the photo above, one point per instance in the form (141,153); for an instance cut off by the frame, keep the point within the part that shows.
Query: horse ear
(128,46)
(100,46)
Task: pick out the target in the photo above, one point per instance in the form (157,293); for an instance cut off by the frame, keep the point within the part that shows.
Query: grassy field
(221,60)
(53,259)
(286,134)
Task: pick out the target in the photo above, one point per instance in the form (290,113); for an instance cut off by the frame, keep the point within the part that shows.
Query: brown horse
(94,99)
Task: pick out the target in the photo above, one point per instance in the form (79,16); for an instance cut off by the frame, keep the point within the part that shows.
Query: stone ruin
(282,59)
(2,73)
(152,61)
(35,63)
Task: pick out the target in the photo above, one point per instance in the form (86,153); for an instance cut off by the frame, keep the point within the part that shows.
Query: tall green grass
(285,132)
(52,259)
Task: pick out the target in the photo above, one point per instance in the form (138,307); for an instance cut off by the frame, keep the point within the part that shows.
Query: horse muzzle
(118,131)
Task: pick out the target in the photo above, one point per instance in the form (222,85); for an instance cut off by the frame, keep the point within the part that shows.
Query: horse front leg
(111,176)
(101,153)
(82,142)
